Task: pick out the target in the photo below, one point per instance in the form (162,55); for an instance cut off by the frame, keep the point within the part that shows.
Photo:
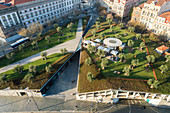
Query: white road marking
(136,102)
(154,110)
(132,102)
(129,107)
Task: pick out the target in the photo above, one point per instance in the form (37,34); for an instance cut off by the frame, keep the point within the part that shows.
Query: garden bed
(14,80)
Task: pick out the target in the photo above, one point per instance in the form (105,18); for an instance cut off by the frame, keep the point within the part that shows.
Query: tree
(89,48)
(21,47)
(109,20)
(97,22)
(99,53)
(90,77)
(121,25)
(126,70)
(28,78)
(104,63)
(142,45)
(131,29)
(49,68)
(102,35)
(69,26)
(167,58)
(18,69)
(130,43)
(85,21)
(47,38)
(89,61)
(33,69)
(111,28)
(55,26)
(153,37)
(153,83)
(10,56)
(93,49)
(63,51)
(163,68)
(135,62)
(44,55)
(34,44)
(150,59)
(97,27)
(3,77)
(121,56)
(138,36)
(93,32)
(59,29)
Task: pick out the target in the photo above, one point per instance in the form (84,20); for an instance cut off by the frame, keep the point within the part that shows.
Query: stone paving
(70,45)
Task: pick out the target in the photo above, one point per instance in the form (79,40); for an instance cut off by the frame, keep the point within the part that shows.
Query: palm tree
(130,43)
(28,78)
(59,29)
(90,77)
(49,68)
(142,45)
(33,69)
(126,70)
(18,69)
(39,35)
(89,61)
(21,47)
(163,68)
(150,59)
(153,83)
(93,32)
(10,56)
(167,58)
(135,62)
(138,36)
(47,38)
(104,63)
(121,56)
(118,36)
(131,29)
(109,20)
(97,27)
(34,44)
(97,22)
(44,55)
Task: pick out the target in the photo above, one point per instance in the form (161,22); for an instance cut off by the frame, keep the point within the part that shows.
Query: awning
(100,47)
(94,44)
(87,42)
(98,40)
(113,52)
(106,49)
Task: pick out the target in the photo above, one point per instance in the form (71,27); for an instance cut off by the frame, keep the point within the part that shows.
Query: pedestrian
(144,107)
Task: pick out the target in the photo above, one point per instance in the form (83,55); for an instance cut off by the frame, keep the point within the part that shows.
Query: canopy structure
(114,52)
(112,42)
(100,47)
(87,42)
(98,40)
(93,44)
(106,49)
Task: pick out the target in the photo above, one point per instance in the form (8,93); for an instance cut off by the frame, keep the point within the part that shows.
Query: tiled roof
(166,15)
(14,2)
(158,3)
(141,6)
(162,48)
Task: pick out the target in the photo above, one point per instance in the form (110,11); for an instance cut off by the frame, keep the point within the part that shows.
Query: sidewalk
(69,45)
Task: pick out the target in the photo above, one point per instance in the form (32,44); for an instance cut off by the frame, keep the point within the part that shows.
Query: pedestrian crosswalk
(136,102)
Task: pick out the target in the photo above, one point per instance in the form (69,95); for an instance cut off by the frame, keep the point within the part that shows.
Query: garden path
(70,45)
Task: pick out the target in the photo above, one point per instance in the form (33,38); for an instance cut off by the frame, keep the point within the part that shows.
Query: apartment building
(121,7)
(155,15)
(15,14)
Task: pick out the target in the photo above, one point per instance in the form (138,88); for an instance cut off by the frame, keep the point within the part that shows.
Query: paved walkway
(70,45)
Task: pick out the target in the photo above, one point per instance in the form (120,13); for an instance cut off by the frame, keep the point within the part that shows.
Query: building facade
(155,15)
(122,7)
(15,14)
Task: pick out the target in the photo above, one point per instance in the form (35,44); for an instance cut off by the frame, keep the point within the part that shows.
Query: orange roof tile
(166,15)
(141,6)
(158,3)
(162,48)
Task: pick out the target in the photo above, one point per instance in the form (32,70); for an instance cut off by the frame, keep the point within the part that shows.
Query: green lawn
(137,73)
(41,64)
(43,45)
